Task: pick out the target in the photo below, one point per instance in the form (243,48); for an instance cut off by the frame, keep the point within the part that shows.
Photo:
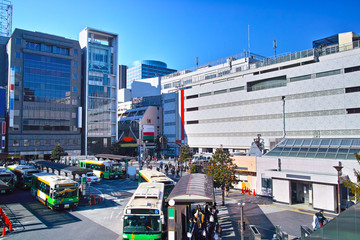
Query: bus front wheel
(102,176)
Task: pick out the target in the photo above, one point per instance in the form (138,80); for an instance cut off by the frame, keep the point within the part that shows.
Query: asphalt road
(32,220)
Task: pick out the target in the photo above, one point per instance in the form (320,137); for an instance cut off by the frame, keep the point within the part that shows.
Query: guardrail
(280,234)
(254,233)
(305,232)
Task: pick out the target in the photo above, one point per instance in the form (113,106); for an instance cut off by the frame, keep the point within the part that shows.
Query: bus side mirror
(162,219)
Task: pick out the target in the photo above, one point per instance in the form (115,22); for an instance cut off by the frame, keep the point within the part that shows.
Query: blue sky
(177,32)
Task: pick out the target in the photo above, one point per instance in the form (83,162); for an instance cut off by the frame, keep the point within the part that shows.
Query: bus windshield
(116,167)
(168,189)
(142,224)
(65,193)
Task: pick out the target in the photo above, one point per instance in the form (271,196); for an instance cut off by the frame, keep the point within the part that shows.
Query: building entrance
(301,193)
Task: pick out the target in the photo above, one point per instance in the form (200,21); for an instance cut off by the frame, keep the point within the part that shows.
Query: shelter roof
(196,187)
(62,167)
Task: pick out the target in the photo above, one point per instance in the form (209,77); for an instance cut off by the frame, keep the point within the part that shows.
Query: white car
(93,178)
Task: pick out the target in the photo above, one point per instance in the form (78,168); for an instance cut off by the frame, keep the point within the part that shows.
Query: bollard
(4,231)
(94,199)
(10,226)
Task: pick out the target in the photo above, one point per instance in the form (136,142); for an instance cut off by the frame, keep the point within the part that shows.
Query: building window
(328,73)
(192,96)
(26,143)
(205,94)
(57,142)
(75,76)
(75,52)
(16,143)
(220,91)
(47,142)
(75,141)
(17,55)
(66,141)
(352,69)
(37,142)
(352,89)
(18,41)
(192,109)
(237,89)
(353,110)
(300,78)
(266,84)
(74,89)
(75,63)
(17,69)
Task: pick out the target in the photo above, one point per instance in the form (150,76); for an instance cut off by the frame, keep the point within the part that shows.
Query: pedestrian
(320,217)
(274,237)
(190,229)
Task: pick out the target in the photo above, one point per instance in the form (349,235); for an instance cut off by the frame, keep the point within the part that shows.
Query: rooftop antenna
(275,46)
(197,63)
(249,39)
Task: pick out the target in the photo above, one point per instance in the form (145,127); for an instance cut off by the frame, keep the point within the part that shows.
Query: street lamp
(241,205)
(338,169)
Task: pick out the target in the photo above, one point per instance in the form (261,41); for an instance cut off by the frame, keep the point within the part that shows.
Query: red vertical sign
(182,114)
(3,128)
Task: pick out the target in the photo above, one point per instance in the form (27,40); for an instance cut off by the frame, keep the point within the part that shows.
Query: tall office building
(3,61)
(122,76)
(146,69)
(100,51)
(44,94)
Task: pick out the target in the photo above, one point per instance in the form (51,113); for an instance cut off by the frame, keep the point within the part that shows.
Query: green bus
(149,175)
(56,192)
(7,180)
(23,175)
(103,169)
(144,214)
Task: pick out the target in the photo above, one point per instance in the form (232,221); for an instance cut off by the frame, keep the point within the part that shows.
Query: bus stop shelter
(68,170)
(191,188)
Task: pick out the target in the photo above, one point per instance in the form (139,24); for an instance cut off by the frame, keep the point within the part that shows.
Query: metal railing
(280,234)
(261,61)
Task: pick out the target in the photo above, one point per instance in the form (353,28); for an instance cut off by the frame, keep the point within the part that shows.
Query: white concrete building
(232,100)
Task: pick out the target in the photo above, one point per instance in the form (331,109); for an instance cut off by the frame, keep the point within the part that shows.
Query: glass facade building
(99,51)
(44,94)
(146,69)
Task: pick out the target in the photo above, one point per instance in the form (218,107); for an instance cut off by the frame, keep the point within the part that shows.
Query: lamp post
(338,169)
(241,205)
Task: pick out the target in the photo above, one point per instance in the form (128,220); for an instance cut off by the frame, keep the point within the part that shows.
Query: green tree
(185,154)
(354,187)
(57,153)
(222,169)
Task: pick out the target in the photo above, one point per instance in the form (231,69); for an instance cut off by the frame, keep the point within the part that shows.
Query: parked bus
(7,180)
(23,174)
(54,191)
(144,214)
(74,160)
(103,169)
(201,157)
(148,175)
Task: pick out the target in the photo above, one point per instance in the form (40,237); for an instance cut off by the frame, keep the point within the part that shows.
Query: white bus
(23,174)
(74,160)
(201,157)
(144,214)
(154,176)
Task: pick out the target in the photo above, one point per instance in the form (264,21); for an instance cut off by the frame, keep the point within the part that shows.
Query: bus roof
(22,168)
(53,179)
(5,171)
(100,162)
(155,176)
(147,196)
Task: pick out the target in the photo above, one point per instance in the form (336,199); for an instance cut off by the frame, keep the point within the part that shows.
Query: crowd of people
(203,224)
